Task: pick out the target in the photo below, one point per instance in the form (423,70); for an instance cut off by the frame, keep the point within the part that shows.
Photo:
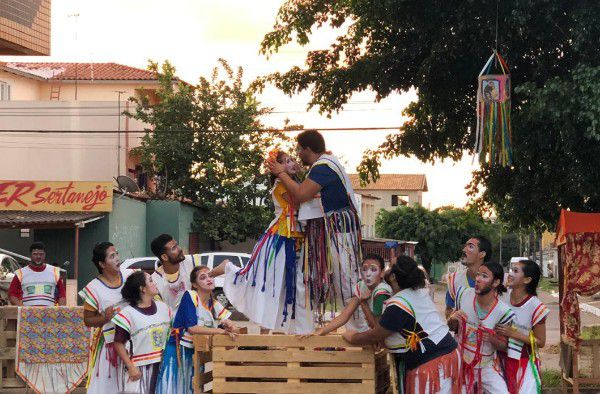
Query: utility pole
(119,92)
(76,16)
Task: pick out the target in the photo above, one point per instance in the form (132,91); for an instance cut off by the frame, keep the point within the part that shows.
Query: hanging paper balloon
(493,131)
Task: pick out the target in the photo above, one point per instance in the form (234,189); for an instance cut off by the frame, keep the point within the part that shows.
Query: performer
(101,300)
(425,355)
(269,290)
(332,248)
(38,284)
(528,333)
(478,312)
(198,313)
(141,332)
(371,293)
(173,273)
(477,250)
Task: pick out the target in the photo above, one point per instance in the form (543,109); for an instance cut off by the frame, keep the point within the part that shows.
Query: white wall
(63,156)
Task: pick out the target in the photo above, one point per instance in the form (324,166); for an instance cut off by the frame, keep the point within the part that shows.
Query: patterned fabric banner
(52,348)
(580,256)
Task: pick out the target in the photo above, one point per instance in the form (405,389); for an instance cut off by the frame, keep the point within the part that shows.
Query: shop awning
(33,220)
(576,222)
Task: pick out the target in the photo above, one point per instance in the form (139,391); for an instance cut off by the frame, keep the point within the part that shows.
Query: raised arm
(340,319)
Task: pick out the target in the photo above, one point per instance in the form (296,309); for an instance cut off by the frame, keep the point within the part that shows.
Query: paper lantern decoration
(493,131)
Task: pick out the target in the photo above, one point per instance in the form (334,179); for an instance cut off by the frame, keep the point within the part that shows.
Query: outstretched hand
(275,167)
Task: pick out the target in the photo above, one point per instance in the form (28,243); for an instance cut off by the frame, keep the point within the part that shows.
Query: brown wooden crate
(282,387)
(283,341)
(284,372)
(295,355)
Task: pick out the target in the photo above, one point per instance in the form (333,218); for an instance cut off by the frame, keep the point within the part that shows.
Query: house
(367,212)
(393,190)
(85,101)
(64,122)
(25,27)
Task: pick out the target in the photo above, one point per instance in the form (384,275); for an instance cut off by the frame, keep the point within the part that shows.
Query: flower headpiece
(272,155)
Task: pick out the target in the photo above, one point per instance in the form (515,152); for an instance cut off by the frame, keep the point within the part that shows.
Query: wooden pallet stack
(288,364)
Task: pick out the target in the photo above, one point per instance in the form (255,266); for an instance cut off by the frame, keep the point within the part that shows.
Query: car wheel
(220,296)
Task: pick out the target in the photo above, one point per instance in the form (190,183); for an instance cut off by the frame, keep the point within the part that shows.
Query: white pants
(529,385)
(491,380)
(103,378)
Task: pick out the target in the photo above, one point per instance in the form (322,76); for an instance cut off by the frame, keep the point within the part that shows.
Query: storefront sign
(56,196)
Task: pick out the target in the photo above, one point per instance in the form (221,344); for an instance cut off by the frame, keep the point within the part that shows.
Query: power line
(47,114)
(325,129)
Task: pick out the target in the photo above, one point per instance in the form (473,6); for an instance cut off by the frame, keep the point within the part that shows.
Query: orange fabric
(430,373)
(576,222)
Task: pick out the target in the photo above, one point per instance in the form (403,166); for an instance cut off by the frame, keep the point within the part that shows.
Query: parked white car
(210,259)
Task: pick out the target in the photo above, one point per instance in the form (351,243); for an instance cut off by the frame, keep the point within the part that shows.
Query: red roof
(79,71)
(392,182)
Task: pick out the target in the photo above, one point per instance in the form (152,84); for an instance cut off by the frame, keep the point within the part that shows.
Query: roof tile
(393,182)
(81,71)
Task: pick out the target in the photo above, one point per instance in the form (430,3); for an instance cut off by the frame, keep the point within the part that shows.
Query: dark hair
(158,244)
(484,246)
(131,289)
(99,254)
(498,273)
(195,272)
(531,270)
(408,274)
(193,276)
(311,139)
(37,245)
(376,257)
(278,158)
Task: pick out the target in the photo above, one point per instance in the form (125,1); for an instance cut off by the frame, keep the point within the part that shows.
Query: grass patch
(547,285)
(551,378)
(590,332)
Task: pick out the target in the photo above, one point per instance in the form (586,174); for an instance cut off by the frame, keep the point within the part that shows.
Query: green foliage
(438,47)
(207,146)
(557,164)
(441,233)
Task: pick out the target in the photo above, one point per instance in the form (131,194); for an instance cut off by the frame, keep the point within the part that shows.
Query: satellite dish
(127,184)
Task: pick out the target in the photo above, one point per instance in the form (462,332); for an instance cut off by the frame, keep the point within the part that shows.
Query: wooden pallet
(288,364)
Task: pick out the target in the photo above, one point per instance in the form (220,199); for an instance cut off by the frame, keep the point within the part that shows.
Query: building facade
(25,27)
(64,121)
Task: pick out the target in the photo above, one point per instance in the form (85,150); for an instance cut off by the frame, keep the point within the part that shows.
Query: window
(398,200)
(218,259)
(4,91)
(204,260)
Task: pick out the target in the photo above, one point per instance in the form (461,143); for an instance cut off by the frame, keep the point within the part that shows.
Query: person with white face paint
(102,299)
(478,312)
(198,313)
(370,293)
(425,355)
(528,333)
(270,289)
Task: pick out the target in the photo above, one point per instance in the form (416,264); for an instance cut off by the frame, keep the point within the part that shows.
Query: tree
(441,233)
(438,47)
(207,144)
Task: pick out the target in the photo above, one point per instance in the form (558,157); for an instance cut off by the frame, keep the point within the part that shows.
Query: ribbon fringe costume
(522,365)
(482,369)
(269,290)
(332,250)
(97,296)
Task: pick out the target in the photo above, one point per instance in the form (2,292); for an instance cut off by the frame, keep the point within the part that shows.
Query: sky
(194,34)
